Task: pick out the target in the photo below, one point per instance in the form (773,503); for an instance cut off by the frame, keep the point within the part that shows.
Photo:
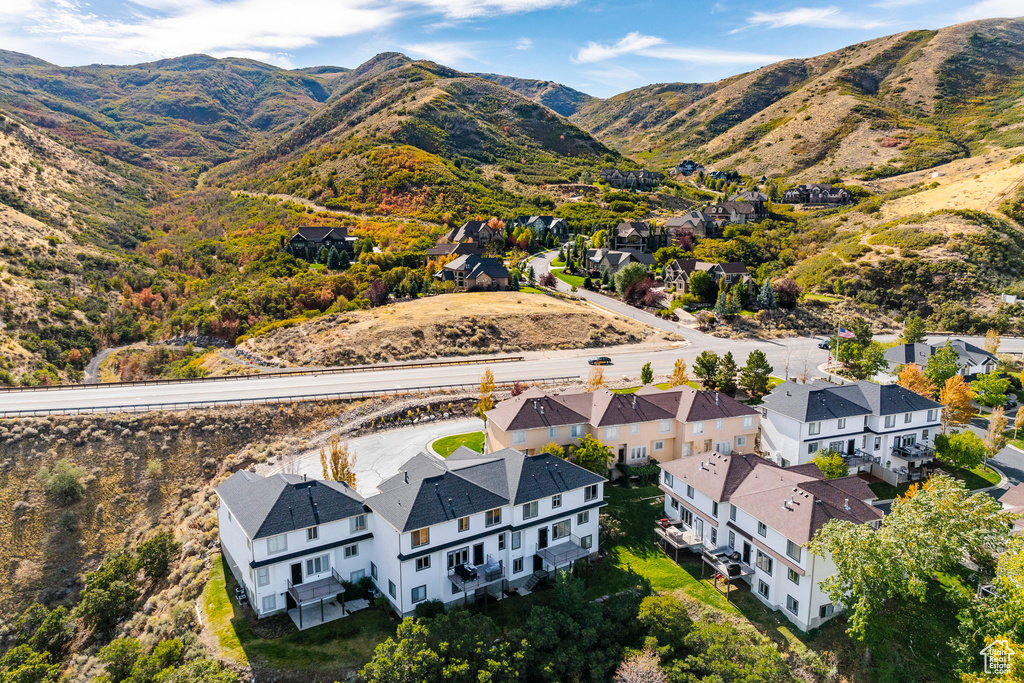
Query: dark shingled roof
(970,355)
(823,401)
(318,233)
(425,493)
(267,506)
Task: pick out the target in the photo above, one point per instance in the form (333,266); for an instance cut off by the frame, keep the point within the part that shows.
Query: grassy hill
(555,96)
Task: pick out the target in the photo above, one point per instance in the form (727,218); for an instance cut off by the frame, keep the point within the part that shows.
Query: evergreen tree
(755,375)
(705,368)
(514,283)
(343,260)
(531,277)
(726,378)
(333,259)
(321,256)
(646,374)
(766,297)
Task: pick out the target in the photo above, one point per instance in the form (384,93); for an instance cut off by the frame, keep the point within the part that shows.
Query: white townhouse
(884,427)
(291,541)
(480,524)
(751,520)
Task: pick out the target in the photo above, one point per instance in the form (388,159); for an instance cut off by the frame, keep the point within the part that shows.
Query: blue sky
(602,47)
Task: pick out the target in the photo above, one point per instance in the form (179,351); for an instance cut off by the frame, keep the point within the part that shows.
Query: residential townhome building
(974,360)
(817,193)
(695,222)
(653,423)
(290,542)
(752,520)
(758,200)
(307,242)
(882,428)
(630,179)
(638,236)
(475,524)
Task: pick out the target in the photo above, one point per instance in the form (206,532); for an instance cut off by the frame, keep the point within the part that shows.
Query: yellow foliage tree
(338,464)
(955,398)
(596,379)
(555,449)
(913,378)
(486,394)
(680,374)
(1018,422)
(992,341)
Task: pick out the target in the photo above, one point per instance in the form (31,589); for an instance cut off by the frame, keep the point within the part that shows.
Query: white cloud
(633,42)
(815,17)
(10,9)
(449,54)
(618,77)
(473,9)
(524,44)
(989,9)
(658,48)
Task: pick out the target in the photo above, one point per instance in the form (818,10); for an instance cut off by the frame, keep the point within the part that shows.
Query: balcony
(858,458)
(327,593)
(673,534)
(469,578)
(914,452)
(563,553)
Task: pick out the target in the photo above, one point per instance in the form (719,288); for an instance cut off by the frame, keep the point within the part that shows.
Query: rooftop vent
(846,504)
(542,410)
(716,398)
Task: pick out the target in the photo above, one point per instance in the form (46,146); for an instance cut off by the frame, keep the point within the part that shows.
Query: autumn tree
(992,341)
(955,397)
(646,373)
(596,379)
(680,374)
(831,464)
(592,455)
(555,449)
(486,401)
(755,375)
(995,435)
(640,667)
(1018,422)
(338,463)
(913,378)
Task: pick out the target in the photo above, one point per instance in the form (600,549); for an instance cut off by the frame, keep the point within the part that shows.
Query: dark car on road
(1011,402)
(600,360)
(825,344)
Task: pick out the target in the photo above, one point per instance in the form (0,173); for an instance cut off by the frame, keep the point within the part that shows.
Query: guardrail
(269,400)
(287,373)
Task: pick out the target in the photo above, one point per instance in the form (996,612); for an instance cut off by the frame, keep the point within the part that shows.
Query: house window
(463,523)
(419,593)
(792,604)
(317,565)
(732,539)
(530,510)
(576,431)
(517,540)
(764,563)
(675,504)
(664,426)
(714,509)
(890,421)
(583,517)
(552,432)
(517,565)
(357,576)
(669,480)
(842,423)
(793,576)
(351,550)
(277,544)
(698,427)
(714,536)
(392,590)
(684,450)
(519,437)
(748,421)
(373,571)
(611,432)
(932,415)
(924,435)
(741,441)
(762,589)
(908,418)
(590,493)
(561,530)
(420,537)
(689,491)
(358,523)
(634,428)
(501,541)
(659,445)
(492,517)
(719,424)
(556,500)
(793,550)
(732,512)
(762,529)
(638,452)
(826,610)
(312,533)
(812,447)
(422,563)
(878,442)
(269,603)
(587,542)
(457,557)
(814,428)
(687,517)
(263,576)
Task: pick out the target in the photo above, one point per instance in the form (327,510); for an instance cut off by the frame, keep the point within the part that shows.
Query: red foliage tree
(786,292)
(377,293)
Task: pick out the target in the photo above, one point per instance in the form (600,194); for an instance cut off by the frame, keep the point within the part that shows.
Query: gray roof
(320,233)
(429,491)
(267,506)
(970,355)
(822,401)
(473,266)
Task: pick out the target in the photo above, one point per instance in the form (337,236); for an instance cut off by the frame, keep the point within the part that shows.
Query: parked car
(1011,402)
(600,360)
(825,344)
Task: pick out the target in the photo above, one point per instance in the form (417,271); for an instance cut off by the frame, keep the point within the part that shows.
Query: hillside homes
(695,221)
(472,237)
(751,520)
(817,194)
(452,530)
(660,424)
(677,273)
(885,428)
(475,273)
(630,179)
(638,236)
(729,213)
(613,261)
(543,225)
(307,241)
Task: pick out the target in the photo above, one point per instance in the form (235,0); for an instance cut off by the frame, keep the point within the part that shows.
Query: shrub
(155,555)
(67,521)
(63,482)
(110,591)
(429,609)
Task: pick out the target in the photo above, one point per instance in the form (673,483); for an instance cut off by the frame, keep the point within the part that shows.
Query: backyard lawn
(978,478)
(447,445)
(663,385)
(342,645)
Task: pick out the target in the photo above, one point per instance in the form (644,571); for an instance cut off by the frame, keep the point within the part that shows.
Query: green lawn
(345,644)
(977,478)
(663,385)
(446,445)
(571,280)
(823,297)
(527,289)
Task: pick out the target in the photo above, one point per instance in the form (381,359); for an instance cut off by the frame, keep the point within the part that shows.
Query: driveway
(378,456)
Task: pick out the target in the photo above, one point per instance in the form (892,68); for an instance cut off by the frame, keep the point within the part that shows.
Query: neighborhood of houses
(741,492)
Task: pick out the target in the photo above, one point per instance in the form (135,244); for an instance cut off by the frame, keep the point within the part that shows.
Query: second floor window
(519,437)
(552,432)
(689,491)
(748,421)
(732,512)
(719,424)
(420,537)
(277,544)
(530,510)
(611,432)
(463,523)
(698,427)
(556,500)
(714,509)
(634,428)
(517,540)
(908,417)
(590,493)
(493,517)
(358,523)
(665,426)
(890,421)
(318,564)
(762,529)
(576,431)
(561,530)
(669,480)
(764,563)
(312,533)
(583,517)
(814,428)
(932,415)
(793,550)
(842,423)
(263,576)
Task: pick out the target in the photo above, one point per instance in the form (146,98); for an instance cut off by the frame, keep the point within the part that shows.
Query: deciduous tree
(486,401)
(596,379)
(338,464)
(831,464)
(955,397)
(942,365)
(990,389)
(681,375)
(640,667)
(913,378)
(593,455)
(702,286)
(913,330)
(995,435)
(963,449)
(992,341)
